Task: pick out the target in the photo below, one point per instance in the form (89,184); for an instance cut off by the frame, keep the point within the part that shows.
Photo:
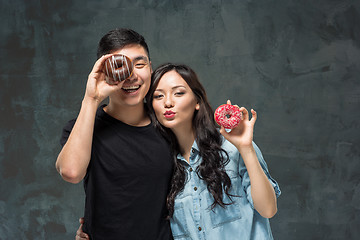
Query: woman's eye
(179,93)
(157,96)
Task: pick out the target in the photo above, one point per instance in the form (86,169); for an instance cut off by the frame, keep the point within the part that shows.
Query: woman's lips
(169,114)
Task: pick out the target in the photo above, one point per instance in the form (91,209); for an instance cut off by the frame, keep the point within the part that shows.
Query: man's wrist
(91,102)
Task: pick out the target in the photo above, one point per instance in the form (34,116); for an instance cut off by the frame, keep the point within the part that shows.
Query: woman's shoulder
(233,152)
(227,146)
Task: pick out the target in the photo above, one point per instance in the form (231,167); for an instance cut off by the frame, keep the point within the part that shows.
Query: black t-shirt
(127,181)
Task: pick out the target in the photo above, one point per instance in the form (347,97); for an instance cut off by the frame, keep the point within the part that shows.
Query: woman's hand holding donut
(262,192)
(242,135)
(97,88)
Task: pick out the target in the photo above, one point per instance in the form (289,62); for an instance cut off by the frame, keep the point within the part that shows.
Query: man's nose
(132,78)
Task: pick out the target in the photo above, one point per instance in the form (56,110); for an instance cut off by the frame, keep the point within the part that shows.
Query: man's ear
(151,69)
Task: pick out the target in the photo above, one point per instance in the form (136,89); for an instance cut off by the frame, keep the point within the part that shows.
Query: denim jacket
(193,218)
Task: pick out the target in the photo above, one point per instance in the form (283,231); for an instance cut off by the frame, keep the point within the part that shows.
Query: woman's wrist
(246,150)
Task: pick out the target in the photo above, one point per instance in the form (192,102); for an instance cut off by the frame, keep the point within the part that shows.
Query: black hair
(207,136)
(119,38)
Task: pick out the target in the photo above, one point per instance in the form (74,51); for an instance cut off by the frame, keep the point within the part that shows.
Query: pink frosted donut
(227,116)
(118,68)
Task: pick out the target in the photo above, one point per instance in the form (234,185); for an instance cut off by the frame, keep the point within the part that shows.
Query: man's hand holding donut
(97,88)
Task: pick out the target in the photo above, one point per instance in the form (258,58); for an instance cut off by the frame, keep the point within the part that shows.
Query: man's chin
(133,102)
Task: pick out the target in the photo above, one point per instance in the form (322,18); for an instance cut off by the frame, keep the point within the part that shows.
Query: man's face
(135,88)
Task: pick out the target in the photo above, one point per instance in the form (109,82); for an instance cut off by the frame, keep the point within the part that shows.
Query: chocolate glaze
(118,68)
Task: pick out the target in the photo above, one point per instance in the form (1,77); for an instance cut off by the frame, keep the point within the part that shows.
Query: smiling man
(125,163)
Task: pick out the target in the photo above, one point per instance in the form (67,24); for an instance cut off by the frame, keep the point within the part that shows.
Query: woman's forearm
(262,191)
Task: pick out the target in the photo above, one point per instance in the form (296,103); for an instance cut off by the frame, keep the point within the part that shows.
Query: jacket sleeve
(246,179)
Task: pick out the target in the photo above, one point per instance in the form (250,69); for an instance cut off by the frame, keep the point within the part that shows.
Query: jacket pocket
(178,223)
(231,212)
(220,215)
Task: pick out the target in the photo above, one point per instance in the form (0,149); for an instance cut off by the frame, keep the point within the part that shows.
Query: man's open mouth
(131,89)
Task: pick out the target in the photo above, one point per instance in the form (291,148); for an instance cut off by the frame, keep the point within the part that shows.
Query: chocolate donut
(228,116)
(118,68)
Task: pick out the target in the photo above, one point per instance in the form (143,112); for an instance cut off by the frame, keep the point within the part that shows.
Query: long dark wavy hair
(207,136)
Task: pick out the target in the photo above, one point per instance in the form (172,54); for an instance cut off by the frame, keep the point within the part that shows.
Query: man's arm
(74,157)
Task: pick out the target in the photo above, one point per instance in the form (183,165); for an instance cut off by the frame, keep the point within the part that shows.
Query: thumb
(223,131)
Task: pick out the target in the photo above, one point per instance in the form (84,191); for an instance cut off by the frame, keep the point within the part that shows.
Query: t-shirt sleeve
(66,131)
(246,179)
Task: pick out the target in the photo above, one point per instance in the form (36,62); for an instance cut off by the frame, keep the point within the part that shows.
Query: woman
(221,188)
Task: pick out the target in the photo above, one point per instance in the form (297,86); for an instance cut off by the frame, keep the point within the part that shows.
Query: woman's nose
(168,102)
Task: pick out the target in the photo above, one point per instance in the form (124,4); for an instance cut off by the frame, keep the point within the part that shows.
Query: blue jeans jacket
(193,218)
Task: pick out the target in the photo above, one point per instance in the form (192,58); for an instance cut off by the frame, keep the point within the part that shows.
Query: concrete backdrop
(297,62)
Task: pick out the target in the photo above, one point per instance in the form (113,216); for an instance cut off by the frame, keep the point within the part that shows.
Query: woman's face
(174,102)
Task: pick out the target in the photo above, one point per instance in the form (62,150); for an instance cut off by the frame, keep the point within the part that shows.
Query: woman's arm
(80,235)
(262,192)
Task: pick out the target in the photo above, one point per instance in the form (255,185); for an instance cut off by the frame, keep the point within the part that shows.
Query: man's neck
(131,115)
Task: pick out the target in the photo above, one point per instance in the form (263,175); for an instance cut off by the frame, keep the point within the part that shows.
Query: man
(125,163)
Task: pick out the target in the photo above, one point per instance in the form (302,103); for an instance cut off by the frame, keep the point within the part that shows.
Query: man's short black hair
(119,38)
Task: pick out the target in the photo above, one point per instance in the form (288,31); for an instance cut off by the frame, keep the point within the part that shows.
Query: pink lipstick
(169,114)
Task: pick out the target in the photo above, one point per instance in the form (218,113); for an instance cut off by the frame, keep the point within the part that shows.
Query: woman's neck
(185,138)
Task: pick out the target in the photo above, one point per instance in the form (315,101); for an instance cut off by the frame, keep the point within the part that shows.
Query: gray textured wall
(297,62)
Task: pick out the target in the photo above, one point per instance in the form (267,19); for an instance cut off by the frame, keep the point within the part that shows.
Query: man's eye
(140,65)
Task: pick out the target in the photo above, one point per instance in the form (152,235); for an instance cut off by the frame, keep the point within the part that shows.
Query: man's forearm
(74,157)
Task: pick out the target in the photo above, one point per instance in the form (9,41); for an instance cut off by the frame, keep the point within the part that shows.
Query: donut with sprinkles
(228,116)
